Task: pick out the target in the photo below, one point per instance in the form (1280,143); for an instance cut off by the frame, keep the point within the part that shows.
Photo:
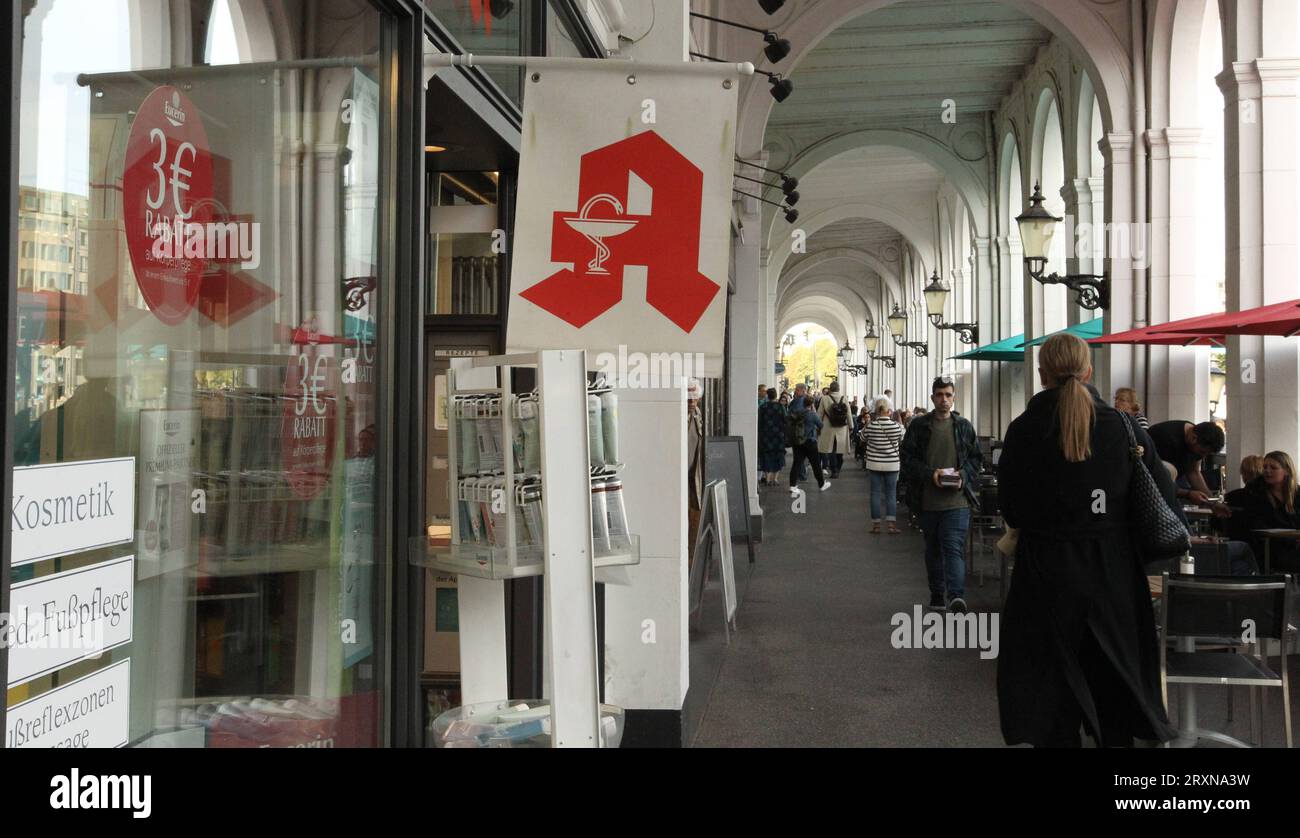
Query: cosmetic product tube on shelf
(500,446)
(533,514)
(609,427)
(620,541)
(499,510)
(599,519)
(469,490)
(468,440)
(487,452)
(517,436)
(595,436)
(484,497)
(532,440)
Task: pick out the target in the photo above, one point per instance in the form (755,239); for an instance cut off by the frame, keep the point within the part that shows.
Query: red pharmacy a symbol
(600,238)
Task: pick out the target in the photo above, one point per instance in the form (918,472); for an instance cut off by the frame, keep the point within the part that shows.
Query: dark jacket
(1078,630)
(812,423)
(915,472)
(1253,509)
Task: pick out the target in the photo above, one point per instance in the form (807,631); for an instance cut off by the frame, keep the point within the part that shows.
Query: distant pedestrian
(833,441)
(803,425)
(771,439)
(883,438)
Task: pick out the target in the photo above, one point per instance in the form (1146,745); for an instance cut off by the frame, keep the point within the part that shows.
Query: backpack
(838,414)
(794,430)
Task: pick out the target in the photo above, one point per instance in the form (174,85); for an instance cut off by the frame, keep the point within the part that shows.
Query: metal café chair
(1215,609)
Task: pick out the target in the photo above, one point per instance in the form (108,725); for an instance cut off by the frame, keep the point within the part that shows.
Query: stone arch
(930,149)
(811,311)
(828,286)
(1087,129)
(911,229)
(1089,37)
(888,275)
(1011,186)
(256,34)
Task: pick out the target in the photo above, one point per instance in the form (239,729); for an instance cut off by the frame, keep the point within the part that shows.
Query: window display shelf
(496,562)
(275,559)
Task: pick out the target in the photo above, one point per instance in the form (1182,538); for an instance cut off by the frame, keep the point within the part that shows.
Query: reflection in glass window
(186,318)
(464,266)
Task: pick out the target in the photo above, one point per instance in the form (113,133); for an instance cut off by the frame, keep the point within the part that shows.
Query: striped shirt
(883,437)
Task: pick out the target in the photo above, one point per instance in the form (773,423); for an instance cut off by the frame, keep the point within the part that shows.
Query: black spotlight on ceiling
(788,182)
(771,6)
(777,48)
(791,194)
(781,87)
(500,8)
(791,215)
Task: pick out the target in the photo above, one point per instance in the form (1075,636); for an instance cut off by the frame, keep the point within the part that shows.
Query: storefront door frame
(10,33)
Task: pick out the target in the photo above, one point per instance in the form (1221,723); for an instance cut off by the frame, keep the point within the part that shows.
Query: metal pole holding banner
(432,61)
(619,65)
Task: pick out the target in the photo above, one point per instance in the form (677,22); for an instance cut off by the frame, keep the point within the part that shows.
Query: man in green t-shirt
(941,463)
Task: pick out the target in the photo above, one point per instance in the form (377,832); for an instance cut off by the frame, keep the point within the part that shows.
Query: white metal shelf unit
(569,606)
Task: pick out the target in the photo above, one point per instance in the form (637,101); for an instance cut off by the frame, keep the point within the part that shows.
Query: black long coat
(1078,631)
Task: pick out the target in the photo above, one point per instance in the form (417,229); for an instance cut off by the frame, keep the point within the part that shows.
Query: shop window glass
(204,376)
(487,27)
(465,263)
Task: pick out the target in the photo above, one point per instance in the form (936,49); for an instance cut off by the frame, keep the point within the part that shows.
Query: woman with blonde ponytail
(1079,641)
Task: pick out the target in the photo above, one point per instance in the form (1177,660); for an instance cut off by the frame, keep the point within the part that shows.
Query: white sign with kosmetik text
(64,508)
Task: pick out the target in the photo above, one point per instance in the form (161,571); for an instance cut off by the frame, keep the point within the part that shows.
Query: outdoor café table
(1269,535)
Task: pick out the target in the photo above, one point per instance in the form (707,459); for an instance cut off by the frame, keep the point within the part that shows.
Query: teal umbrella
(1002,350)
(1090,329)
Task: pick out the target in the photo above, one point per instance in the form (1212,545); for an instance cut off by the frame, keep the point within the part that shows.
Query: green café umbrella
(1088,330)
(1002,350)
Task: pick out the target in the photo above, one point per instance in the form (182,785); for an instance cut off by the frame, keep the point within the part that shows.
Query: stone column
(745,312)
(1260,243)
(985,314)
(1079,232)
(1115,363)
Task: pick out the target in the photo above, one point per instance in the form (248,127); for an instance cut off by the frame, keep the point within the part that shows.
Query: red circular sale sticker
(307,426)
(167,202)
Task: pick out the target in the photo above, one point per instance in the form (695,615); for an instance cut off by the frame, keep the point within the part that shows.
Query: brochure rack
(534,511)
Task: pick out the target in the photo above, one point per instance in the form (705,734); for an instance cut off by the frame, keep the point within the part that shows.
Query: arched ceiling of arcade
(866,198)
(886,87)
(882,63)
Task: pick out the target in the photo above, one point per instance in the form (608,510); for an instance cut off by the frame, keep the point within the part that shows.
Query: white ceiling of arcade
(898,64)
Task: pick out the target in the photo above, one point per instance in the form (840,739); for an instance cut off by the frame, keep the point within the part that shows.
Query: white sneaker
(826,485)
(794,492)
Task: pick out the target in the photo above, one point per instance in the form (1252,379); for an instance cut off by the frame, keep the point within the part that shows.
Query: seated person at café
(1183,445)
(1270,501)
(1252,466)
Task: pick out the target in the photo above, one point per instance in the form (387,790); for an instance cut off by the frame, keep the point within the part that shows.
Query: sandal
(893,530)
(875,529)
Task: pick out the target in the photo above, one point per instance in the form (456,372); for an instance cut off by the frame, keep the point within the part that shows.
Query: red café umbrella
(1281,319)
(1146,336)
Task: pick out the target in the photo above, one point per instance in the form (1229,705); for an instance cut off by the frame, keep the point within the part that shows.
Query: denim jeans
(884,486)
(945,542)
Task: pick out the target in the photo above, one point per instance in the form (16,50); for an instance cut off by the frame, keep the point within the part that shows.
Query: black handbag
(1157,531)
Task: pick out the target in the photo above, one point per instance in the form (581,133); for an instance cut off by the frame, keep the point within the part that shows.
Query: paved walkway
(812,664)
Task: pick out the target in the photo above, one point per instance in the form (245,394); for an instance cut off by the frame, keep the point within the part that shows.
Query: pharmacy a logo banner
(624,212)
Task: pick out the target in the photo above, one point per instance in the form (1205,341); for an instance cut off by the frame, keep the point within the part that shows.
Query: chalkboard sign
(725,460)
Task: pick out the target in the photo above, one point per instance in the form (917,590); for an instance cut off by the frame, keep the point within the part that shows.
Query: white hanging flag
(623,232)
